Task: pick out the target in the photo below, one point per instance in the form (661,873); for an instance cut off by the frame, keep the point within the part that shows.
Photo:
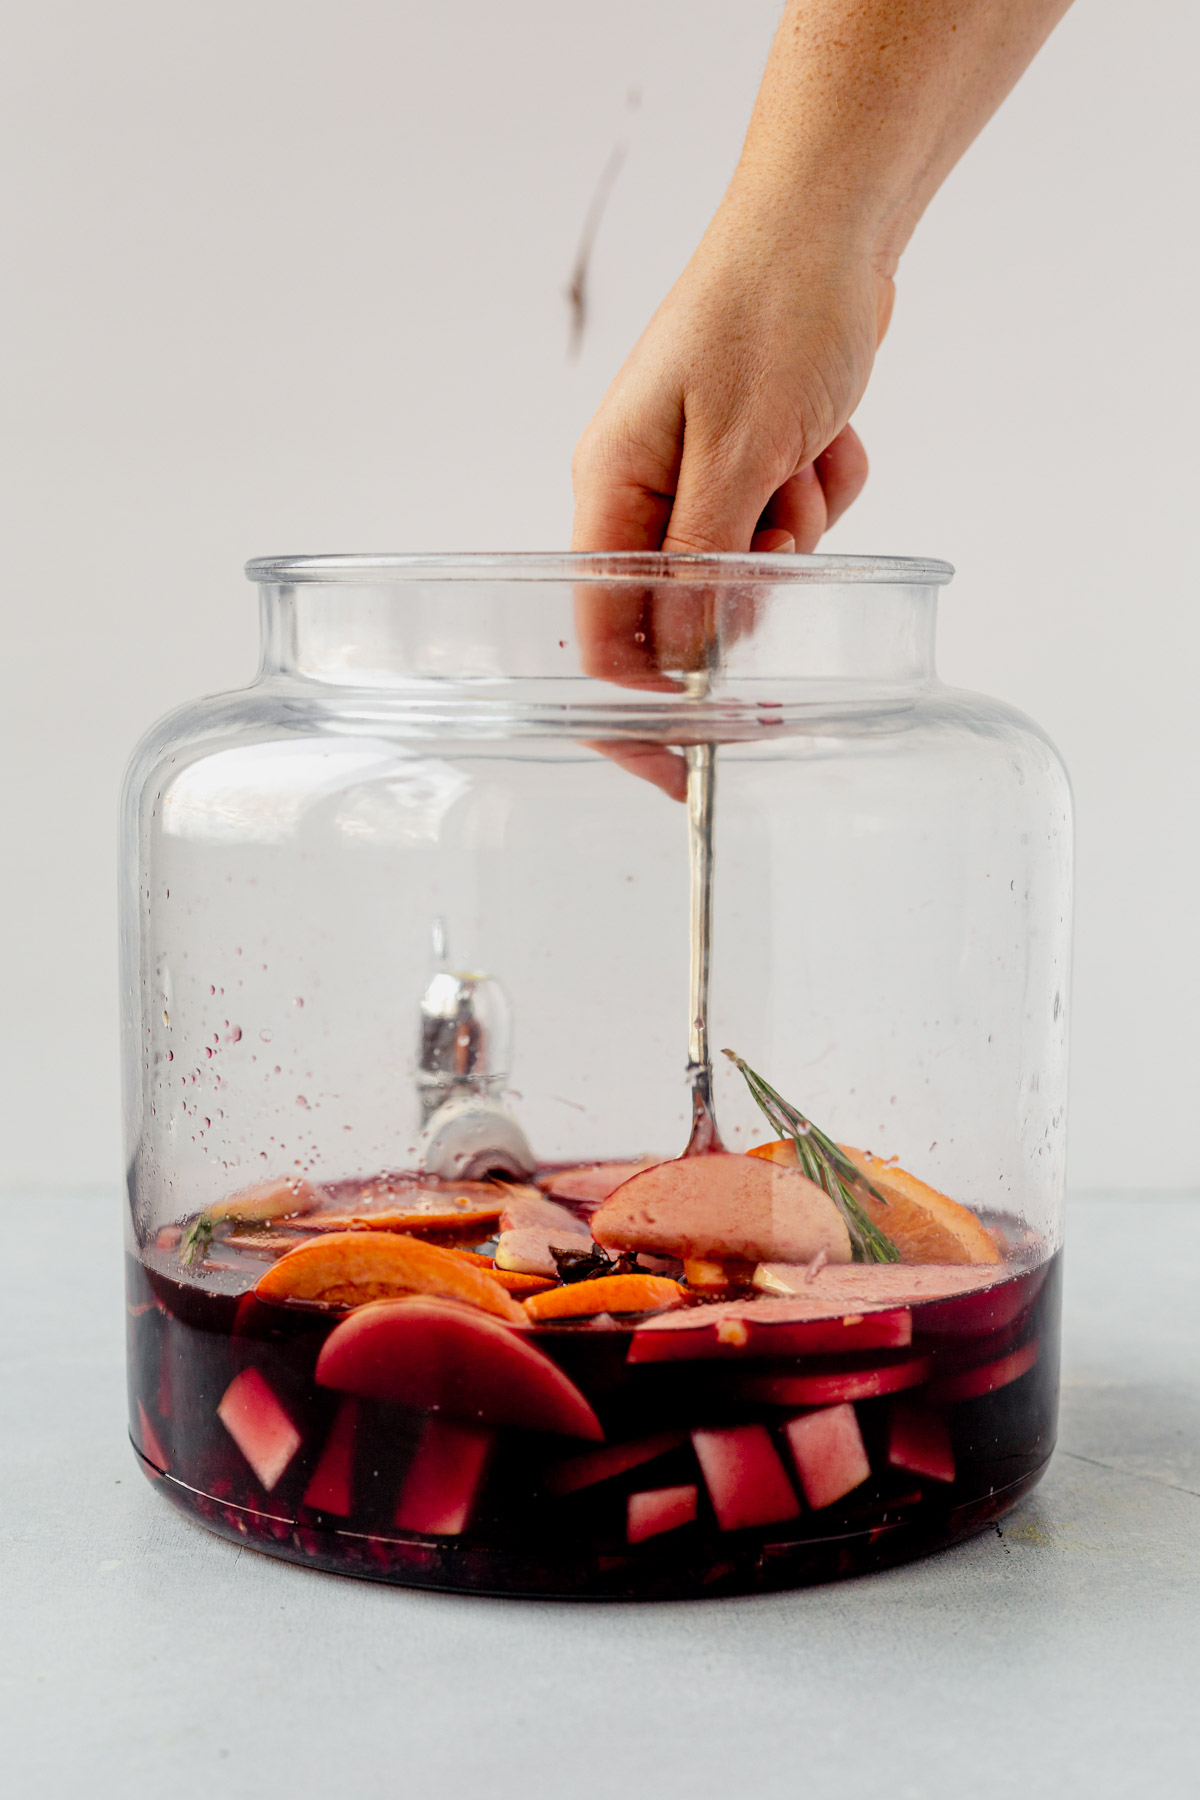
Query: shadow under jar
(447,1261)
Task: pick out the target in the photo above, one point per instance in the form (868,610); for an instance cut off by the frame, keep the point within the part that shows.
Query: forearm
(865,107)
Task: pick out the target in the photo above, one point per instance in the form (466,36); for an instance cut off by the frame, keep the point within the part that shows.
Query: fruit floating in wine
(715,1373)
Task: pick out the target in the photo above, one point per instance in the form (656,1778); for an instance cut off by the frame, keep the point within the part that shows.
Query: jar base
(678,1574)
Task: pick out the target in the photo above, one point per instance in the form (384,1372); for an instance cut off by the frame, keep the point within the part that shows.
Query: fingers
(798,509)
(719,497)
(656,763)
(624,473)
(842,470)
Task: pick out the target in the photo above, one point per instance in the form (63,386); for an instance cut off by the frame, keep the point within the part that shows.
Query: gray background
(288,277)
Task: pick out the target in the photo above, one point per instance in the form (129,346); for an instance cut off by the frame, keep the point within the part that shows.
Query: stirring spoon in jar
(701,803)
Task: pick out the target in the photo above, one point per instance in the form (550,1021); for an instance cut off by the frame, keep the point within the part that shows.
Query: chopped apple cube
(330,1487)
(919,1442)
(259,1425)
(829,1454)
(746,1481)
(656,1510)
(444,1480)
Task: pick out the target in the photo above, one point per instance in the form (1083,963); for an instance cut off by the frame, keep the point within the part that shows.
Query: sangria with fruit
(720,1372)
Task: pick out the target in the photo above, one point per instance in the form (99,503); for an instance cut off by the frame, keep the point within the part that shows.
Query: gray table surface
(1059,1655)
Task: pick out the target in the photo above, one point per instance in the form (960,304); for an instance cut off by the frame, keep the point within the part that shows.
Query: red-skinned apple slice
(443,1483)
(259,1425)
(593,1466)
(656,1510)
(830,1389)
(593,1182)
(441,1356)
(330,1487)
(746,1481)
(533,1212)
(989,1310)
(970,1384)
(758,1328)
(829,1454)
(723,1208)
(919,1442)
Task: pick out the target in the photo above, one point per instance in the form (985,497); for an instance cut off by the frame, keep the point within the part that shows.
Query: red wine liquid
(729,1472)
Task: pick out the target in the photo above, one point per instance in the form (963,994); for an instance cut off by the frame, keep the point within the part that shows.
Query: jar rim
(776,568)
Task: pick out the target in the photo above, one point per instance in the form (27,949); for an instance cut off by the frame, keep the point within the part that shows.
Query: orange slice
(606,1294)
(513,1281)
(350,1268)
(925,1225)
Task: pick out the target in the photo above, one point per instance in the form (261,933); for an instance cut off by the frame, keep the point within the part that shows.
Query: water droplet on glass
(266,1036)
(235,1036)
(301,1101)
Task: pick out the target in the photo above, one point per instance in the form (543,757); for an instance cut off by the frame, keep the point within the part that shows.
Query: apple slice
(330,1487)
(829,1454)
(443,1483)
(593,1466)
(656,1510)
(723,1208)
(350,1268)
(529,1249)
(919,1442)
(759,1328)
(150,1447)
(593,1182)
(829,1390)
(986,1311)
(282,1199)
(531,1211)
(606,1294)
(970,1384)
(864,1285)
(746,1481)
(259,1425)
(439,1356)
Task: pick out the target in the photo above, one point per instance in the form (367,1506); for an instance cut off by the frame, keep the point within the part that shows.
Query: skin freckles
(728,427)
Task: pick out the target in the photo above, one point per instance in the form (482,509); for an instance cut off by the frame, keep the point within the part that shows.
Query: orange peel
(351,1268)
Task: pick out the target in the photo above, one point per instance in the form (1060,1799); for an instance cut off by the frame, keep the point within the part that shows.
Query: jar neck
(593,643)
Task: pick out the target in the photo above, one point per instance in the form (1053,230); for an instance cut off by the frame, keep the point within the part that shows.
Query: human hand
(727,428)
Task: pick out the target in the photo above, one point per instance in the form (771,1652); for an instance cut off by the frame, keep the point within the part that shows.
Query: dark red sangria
(720,1373)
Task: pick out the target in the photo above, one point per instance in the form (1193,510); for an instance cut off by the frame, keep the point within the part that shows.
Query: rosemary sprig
(193,1245)
(825,1164)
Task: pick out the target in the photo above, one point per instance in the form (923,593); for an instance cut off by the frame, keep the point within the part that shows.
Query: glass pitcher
(459,1254)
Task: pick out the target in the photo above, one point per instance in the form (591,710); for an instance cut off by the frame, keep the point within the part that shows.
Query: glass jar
(447,1263)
